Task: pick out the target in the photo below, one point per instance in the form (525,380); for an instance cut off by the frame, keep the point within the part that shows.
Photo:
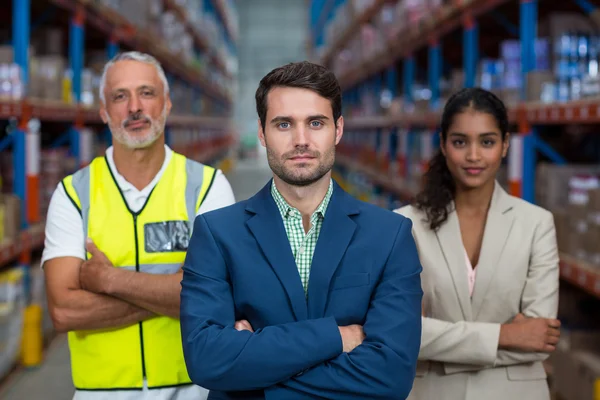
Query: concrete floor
(52,380)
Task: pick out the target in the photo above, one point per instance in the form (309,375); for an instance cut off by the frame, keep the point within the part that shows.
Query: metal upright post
(76,43)
(113,47)
(20,33)
(406,135)
(435,73)
(409,78)
(470,50)
(76,54)
(528,31)
(391,84)
(523,169)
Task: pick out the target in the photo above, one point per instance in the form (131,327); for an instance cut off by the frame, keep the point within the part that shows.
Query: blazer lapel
(497,229)
(449,238)
(334,238)
(267,227)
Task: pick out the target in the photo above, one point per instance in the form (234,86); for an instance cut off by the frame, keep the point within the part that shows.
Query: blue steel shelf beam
(211,8)
(315,12)
(409,79)
(324,10)
(435,73)
(20,40)
(501,20)
(528,30)
(113,48)
(586,6)
(391,83)
(76,59)
(470,50)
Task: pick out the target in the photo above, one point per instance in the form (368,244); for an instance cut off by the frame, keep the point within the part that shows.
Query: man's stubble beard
(278,167)
(122,136)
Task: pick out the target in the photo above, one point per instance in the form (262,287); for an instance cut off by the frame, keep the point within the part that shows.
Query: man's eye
(316,124)
(284,125)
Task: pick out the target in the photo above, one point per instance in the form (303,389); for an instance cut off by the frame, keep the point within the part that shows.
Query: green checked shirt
(302,244)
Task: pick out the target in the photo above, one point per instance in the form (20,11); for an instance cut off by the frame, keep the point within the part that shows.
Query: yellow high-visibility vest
(153,240)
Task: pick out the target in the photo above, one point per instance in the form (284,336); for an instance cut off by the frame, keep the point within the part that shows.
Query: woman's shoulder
(529,212)
(413,213)
(407,210)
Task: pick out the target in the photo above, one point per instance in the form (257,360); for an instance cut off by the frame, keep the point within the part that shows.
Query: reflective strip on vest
(155,268)
(199,179)
(120,358)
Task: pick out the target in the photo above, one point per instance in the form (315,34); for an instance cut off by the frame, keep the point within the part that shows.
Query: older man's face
(136,106)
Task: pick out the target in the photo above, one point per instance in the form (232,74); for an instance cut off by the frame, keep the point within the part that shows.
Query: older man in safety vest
(133,211)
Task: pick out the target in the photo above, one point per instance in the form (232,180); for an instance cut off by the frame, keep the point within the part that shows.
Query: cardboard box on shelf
(561,224)
(12,216)
(552,183)
(590,240)
(589,373)
(7,54)
(12,307)
(510,97)
(2,213)
(576,364)
(536,82)
(52,71)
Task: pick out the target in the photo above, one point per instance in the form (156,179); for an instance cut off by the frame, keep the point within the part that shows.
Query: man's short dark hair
(304,75)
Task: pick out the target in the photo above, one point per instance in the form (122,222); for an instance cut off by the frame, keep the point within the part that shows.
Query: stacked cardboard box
(572,193)
(54,167)
(576,364)
(12,307)
(11,78)
(37,295)
(10,217)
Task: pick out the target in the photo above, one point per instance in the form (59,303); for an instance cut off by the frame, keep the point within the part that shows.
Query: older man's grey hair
(134,56)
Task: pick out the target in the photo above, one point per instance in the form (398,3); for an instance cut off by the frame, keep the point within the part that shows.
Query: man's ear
(339,130)
(261,134)
(103,114)
(169,104)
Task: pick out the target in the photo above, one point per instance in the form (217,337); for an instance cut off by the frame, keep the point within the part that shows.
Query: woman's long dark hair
(439,187)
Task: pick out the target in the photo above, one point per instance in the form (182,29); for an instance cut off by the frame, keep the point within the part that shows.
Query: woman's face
(474,149)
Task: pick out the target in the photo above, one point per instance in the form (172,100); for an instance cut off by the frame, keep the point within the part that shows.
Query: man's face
(136,106)
(300,135)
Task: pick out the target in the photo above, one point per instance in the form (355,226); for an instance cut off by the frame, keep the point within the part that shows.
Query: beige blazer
(517,272)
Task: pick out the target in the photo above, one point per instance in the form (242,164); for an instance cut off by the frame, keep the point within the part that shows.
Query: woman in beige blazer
(490,267)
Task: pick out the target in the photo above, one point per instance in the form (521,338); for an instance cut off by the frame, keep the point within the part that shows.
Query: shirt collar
(286,210)
(124,185)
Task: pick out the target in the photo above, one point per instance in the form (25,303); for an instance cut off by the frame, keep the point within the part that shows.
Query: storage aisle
(52,380)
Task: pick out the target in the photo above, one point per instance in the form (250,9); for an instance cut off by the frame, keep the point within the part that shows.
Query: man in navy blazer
(301,292)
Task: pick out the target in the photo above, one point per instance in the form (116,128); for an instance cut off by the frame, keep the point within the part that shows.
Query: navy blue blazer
(365,270)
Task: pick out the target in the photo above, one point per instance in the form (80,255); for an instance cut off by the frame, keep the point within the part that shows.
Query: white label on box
(515,158)
(403,136)
(426,146)
(32,143)
(85,146)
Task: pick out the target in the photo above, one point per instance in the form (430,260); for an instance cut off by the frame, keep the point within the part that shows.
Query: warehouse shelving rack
(87,14)
(382,69)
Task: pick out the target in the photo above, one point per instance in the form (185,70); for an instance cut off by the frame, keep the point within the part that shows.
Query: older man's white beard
(157,127)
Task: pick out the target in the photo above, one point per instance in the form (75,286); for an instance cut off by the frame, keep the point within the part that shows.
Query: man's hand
(530,334)
(95,273)
(352,337)
(243,325)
